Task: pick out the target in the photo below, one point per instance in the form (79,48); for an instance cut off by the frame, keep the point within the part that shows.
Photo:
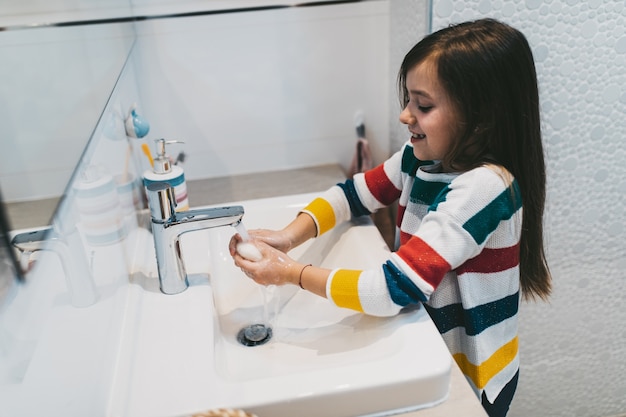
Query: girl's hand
(278,239)
(275,267)
(301,229)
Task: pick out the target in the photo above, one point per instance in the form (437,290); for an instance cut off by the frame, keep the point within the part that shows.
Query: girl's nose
(406,117)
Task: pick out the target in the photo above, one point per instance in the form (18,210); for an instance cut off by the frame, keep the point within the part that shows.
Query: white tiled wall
(573,349)
(247,92)
(55,83)
(267,90)
(409,21)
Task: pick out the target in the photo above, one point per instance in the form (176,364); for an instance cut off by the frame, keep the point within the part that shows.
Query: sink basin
(180,353)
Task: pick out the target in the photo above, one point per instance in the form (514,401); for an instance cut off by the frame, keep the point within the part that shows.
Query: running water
(241,229)
(259,333)
(270,304)
(245,248)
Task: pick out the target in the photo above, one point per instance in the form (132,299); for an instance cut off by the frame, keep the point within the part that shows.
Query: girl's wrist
(289,240)
(300,276)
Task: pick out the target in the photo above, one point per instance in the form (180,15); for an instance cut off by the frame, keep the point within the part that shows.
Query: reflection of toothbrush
(146,150)
(359,122)
(362,160)
(180,158)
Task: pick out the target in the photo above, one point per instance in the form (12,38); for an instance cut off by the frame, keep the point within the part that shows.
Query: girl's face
(429,114)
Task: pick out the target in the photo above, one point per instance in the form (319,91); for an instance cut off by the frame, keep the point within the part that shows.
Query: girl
(466,247)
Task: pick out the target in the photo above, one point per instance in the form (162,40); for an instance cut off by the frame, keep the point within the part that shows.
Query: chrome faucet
(69,248)
(168,225)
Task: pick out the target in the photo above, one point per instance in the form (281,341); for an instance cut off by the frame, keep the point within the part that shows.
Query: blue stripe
(501,208)
(440,198)
(410,163)
(475,319)
(403,291)
(174,182)
(356,207)
(427,192)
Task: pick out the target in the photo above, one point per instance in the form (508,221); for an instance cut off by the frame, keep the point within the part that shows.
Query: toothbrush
(146,150)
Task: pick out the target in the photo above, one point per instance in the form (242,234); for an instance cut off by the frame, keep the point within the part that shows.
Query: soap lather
(164,171)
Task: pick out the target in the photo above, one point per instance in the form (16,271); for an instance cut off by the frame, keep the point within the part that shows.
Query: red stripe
(424,260)
(380,186)
(404,237)
(181,197)
(492,260)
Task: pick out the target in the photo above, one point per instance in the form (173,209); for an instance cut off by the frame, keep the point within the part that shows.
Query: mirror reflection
(59,70)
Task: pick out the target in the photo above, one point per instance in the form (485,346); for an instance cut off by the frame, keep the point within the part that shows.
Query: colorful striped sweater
(458,254)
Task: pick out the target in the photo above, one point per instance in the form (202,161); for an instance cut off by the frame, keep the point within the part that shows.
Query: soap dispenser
(164,171)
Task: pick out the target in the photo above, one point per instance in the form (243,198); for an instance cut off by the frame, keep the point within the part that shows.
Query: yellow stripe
(481,374)
(324,213)
(344,289)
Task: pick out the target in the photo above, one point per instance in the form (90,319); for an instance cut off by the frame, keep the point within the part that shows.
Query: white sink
(180,354)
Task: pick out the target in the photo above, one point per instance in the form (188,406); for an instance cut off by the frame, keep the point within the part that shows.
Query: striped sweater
(458,236)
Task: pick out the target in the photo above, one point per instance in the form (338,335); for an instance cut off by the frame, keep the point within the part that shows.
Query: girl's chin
(419,155)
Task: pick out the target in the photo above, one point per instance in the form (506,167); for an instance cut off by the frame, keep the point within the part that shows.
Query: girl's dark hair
(487,69)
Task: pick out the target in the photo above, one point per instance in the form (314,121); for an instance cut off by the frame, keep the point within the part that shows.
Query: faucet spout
(70,251)
(168,225)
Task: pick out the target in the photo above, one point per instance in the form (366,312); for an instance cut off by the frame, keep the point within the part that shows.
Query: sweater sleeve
(366,193)
(454,230)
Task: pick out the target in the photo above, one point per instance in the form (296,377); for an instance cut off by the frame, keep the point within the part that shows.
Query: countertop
(462,400)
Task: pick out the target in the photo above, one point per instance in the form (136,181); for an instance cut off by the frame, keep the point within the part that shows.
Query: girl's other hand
(278,239)
(275,268)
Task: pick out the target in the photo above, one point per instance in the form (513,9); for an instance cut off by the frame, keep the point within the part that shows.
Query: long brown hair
(487,69)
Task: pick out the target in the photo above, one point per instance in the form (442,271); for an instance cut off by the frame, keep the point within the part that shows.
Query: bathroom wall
(267,90)
(572,348)
(304,73)
(409,22)
(56,81)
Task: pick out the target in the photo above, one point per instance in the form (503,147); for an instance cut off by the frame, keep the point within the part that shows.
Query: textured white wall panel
(408,24)
(573,350)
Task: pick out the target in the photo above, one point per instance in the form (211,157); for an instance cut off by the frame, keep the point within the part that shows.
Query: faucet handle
(161,200)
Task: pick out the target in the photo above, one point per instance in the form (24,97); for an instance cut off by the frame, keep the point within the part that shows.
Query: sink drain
(254,335)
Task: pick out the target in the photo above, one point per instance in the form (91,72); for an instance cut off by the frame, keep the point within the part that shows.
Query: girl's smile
(429,114)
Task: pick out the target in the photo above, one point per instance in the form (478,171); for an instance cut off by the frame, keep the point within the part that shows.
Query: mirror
(60,62)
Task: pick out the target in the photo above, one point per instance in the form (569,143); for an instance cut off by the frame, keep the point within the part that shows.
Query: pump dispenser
(164,171)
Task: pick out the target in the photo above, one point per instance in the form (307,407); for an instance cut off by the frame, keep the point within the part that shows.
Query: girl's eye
(424,109)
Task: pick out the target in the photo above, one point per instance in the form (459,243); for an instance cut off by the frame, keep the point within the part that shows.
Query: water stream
(259,333)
